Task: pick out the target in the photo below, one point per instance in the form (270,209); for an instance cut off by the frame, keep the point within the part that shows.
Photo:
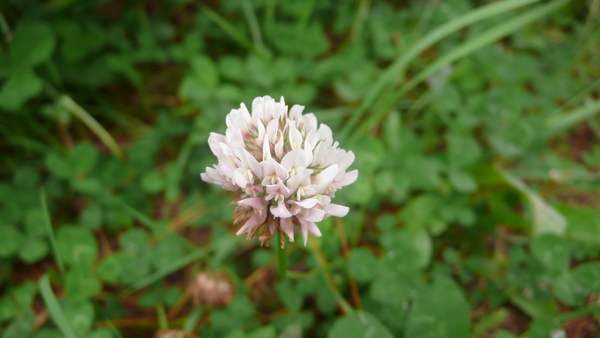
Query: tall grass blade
(396,69)
(227,27)
(253,24)
(54,308)
(91,123)
(460,51)
(50,231)
(176,265)
(564,121)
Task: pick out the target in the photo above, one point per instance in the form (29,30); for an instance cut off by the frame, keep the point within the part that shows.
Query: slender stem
(578,313)
(50,231)
(346,252)
(253,24)
(282,257)
(346,308)
(359,21)
(163,323)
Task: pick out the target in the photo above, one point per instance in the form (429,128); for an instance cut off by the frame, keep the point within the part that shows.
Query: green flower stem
(282,258)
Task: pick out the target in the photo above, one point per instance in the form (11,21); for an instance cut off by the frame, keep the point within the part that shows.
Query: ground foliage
(475,213)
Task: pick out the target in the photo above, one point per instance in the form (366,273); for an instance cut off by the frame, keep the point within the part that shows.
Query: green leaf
(91,217)
(358,325)
(80,315)
(440,311)
(206,71)
(544,327)
(569,290)
(290,296)
(391,288)
(168,250)
(588,275)
(407,250)
(152,182)
(87,186)
(363,264)
(21,327)
(83,158)
(48,333)
(462,181)
(11,240)
(19,88)
(81,284)
(76,245)
(463,150)
(58,165)
(32,44)
(33,250)
(34,222)
(110,268)
(263,332)
(552,251)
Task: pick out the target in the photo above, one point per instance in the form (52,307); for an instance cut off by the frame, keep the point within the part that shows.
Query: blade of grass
(460,51)
(135,214)
(359,21)
(227,27)
(54,308)
(192,320)
(303,21)
(398,66)
(91,123)
(564,121)
(50,231)
(269,18)
(253,24)
(163,323)
(176,265)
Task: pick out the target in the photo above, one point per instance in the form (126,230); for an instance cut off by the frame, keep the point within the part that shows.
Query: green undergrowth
(476,135)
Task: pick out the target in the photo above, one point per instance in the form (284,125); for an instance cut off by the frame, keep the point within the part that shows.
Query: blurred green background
(475,129)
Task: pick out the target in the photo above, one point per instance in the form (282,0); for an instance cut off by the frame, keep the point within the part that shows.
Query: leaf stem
(282,257)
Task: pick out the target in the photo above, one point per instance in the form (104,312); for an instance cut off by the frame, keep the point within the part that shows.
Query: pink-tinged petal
(279,146)
(306,203)
(280,211)
(315,215)
(253,202)
(349,178)
(255,221)
(288,227)
(214,142)
(297,158)
(307,227)
(336,210)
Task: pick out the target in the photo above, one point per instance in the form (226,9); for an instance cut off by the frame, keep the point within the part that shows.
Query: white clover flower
(286,166)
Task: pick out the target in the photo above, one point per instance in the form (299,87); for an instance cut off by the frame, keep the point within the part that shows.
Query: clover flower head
(286,166)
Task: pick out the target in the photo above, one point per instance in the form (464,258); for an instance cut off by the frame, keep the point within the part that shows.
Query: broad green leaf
(463,150)
(20,327)
(406,251)
(80,315)
(91,217)
(110,268)
(545,327)
(81,283)
(358,325)
(167,251)
(33,250)
(552,251)
(588,275)
(76,245)
(568,289)
(440,311)
(462,181)
(11,240)
(19,88)
(59,166)
(34,223)
(32,44)
(393,288)
(83,158)
(363,264)
(263,332)
(289,295)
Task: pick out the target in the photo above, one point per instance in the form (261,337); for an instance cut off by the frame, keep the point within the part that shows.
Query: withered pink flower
(286,166)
